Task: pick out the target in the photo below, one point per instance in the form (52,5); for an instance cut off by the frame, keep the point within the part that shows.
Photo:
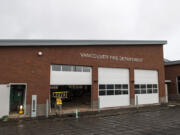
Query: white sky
(93,19)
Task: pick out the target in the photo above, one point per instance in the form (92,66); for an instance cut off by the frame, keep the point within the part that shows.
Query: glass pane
(143,86)
(78,68)
(110,92)
(110,86)
(118,92)
(56,67)
(102,93)
(125,92)
(73,68)
(86,69)
(101,86)
(117,86)
(66,68)
(125,86)
(136,86)
(155,91)
(143,91)
(149,86)
(154,85)
(137,92)
(149,90)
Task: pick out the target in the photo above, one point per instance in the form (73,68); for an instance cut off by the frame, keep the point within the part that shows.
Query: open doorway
(78,97)
(178,84)
(17,97)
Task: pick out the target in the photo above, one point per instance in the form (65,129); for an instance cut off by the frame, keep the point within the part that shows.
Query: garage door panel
(146,76)
(147,98)
(4,100)
(146,86)
(113,87)
(70,78)
(70,75)
(114,101)
(113,76)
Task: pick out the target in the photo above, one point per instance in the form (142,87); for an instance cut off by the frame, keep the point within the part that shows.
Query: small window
(154,85)
(149,91)
(143,86)
(155,91)
(118,86)
(66,68)
(149,86)
(110,92)
(73,68)
(56,68)
(137,86)
(102,93)
(102,86)
(143,91)
(137,92)
(118,92)
(86,69)
(79,69)
(110,86)
(125,92)
(125,86)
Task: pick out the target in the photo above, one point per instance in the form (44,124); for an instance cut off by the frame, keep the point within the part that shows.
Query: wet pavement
(154,122)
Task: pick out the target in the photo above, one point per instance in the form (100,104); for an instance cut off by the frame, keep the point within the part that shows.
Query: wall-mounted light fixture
(40,53)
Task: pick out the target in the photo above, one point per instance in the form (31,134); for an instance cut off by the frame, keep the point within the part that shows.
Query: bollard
(76,113)
(47,108)
(137,106)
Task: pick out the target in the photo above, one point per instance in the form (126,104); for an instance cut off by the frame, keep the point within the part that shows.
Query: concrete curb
(102,113)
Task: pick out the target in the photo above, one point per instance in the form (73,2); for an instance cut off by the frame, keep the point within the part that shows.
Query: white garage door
(113,87)
(70,75)
(4,100)
(146,86)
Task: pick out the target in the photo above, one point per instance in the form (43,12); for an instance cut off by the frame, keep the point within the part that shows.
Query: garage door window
(113,89)
(69,68)
(146,88)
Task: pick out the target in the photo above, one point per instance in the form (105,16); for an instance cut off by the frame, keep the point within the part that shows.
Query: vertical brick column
(94,89)
(161,79)
(131,83)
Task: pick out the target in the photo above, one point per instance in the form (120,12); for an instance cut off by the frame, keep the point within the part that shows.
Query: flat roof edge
(47,42)
(170,63)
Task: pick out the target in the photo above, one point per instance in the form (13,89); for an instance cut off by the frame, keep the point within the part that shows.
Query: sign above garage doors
(110,57)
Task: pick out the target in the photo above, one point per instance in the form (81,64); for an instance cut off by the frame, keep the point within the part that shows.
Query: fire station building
(86,74)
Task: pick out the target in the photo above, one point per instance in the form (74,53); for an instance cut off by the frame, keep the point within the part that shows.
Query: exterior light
(40,53)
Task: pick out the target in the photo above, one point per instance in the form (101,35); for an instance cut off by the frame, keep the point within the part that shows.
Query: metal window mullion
(60,67)
(105,89)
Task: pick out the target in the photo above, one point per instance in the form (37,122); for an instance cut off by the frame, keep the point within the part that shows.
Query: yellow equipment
(21,109)
(58,101)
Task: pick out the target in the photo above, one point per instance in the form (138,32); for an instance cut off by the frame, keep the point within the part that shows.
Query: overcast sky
(93,19)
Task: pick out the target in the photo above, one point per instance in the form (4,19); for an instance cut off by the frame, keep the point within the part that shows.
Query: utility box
(34,106)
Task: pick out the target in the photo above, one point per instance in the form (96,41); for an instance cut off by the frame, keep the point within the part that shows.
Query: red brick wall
(23,65)
(171,73)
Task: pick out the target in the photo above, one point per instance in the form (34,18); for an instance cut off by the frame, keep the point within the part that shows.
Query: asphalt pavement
(164,121)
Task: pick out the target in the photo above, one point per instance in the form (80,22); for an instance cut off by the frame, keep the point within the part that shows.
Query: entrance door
(17,95)
(4,100)
(178,84)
